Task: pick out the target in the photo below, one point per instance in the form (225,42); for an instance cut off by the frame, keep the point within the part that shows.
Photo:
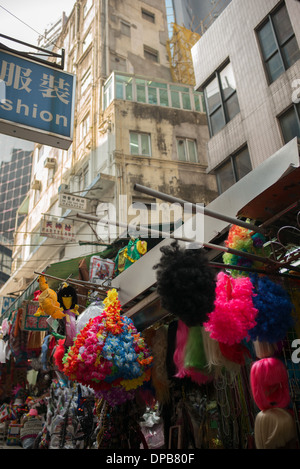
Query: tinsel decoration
(185,283)
(109,355)
(234,312)
(275,311)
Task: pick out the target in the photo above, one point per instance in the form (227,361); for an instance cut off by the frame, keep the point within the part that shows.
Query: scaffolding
(180,56)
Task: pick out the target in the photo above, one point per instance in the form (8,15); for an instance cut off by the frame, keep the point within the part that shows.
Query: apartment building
(133,124)
(248,66)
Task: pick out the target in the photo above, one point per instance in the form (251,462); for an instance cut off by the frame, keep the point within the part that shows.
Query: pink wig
(269,384)
(179,354)
(234,313)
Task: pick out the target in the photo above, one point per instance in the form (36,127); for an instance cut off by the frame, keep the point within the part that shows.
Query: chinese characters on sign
(37,99)
(57,230)
(73,202)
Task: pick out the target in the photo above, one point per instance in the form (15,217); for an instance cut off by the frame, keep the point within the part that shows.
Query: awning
(63,269)
(276,176)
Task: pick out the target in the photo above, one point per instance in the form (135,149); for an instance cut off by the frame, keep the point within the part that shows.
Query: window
(148,15)
(86,80)
(125,28)
(290,123)
(187,150)
(278,43)
(150,54)
(87,41)
(221,100)
(84,178)
(84,127)
(234,169)
(140,144)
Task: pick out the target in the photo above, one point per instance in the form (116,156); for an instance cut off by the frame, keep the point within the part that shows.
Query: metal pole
(247,255)
(198,208)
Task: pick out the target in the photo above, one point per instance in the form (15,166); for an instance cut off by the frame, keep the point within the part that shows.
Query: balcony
(144,90)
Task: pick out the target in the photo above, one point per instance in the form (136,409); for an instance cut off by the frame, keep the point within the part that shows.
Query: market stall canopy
(136,285)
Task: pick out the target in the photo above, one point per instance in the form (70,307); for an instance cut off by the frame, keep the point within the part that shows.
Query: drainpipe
(106,40)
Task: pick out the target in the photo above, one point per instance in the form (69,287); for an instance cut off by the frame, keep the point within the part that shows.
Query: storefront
(200,352)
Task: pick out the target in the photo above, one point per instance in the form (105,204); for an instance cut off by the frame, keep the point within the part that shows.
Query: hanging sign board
(57,229)
(73,202)
(36,101)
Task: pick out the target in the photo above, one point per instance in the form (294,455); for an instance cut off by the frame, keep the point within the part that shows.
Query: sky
(26,20)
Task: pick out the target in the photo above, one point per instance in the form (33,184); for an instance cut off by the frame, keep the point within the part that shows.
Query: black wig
(186,283)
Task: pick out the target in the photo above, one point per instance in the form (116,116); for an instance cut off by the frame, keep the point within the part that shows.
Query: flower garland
(109,355)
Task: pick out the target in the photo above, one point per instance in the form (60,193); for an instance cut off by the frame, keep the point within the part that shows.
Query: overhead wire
(19,19)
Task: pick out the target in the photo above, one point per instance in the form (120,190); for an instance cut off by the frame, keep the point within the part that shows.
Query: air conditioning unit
(22,283)
(50,163)
(64,188)
(36,185)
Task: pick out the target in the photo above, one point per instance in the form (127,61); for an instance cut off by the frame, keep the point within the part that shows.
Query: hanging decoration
(109,355)
(48,304)
(185,283)
(234,312)
(275,311)
(244,240)
(67,298)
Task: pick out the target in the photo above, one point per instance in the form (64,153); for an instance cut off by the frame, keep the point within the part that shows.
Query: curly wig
(234,313)
(275,311)
(185,283)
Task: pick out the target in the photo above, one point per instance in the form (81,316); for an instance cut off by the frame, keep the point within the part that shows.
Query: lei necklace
(109,355)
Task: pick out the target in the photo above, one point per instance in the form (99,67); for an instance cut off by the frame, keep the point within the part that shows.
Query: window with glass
(127,87)
(221,101)
(125,28)
(278,43)
(187,150)
(86,81)
(124,87)
(84,127)
(290,123)
(234,169)
(150,54)
(140,144)
(148,15)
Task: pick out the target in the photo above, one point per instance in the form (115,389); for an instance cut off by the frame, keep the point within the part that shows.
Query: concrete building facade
(251,52)
(132,125)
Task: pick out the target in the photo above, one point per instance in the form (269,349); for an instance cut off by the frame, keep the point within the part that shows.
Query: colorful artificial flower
(109,355)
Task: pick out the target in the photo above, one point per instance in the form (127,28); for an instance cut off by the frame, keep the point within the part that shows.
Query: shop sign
(57,229)
(73,202)
(5,302)
(36,101)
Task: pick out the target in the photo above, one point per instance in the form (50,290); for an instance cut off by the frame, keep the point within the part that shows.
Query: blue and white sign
(36,101)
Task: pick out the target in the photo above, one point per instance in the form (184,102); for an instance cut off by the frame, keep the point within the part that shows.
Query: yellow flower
(112,297)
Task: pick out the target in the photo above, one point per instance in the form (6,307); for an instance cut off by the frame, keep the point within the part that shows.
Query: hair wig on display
(234,313)
(274,317)
(269,383)
(216,361)
(189,355)
(264,349)
(242,239)
(185,283)
(274,429)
